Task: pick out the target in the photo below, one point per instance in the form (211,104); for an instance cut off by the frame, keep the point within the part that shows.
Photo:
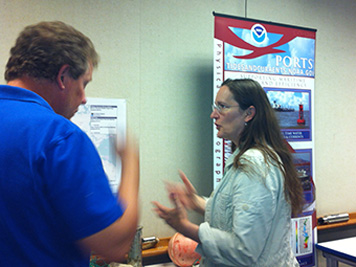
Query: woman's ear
(250,113)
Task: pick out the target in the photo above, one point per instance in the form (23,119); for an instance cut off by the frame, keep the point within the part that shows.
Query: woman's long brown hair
(263,133)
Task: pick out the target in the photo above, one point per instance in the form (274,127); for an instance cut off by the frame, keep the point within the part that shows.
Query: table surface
(345,248)
(168,264)
(351,221)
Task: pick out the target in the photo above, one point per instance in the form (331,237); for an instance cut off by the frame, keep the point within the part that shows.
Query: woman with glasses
(248,216)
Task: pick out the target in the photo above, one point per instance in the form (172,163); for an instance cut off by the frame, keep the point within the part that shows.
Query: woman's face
(229,117)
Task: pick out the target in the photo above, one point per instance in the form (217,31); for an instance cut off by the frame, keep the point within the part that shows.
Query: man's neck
(31,84)
(45,88)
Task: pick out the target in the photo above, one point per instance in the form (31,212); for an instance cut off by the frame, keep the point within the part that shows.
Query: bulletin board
(104,121)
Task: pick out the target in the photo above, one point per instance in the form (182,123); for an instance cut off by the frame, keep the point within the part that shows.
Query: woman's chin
(220,135)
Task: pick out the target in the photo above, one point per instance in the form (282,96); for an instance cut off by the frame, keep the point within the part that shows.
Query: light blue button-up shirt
(247,218)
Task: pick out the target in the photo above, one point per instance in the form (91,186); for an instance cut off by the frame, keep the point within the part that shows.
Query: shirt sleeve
(248,207)
(77,186)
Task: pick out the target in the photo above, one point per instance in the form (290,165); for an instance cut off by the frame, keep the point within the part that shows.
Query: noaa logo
(258,33)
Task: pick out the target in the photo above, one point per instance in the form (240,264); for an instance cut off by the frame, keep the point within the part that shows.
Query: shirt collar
(21,94)
(230,160)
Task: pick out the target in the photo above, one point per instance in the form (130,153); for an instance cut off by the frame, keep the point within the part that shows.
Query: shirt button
(245,207)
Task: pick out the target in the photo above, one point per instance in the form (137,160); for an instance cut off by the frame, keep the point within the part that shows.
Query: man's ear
(62,75)
(250,113)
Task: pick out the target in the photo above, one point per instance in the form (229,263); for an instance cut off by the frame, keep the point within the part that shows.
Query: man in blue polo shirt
(55,201)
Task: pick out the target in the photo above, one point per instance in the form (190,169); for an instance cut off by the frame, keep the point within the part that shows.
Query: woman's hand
(177,218)
(187,194)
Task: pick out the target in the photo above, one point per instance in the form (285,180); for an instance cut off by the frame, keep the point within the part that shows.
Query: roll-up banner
(282,59)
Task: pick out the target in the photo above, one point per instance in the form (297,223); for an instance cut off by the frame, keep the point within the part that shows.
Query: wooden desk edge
(159,249)
(351,221)
(162,245)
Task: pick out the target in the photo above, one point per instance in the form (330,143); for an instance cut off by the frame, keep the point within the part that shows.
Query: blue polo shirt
(53,189)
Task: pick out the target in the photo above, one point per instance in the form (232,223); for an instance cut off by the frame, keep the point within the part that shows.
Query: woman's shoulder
(259,162)
(253,155)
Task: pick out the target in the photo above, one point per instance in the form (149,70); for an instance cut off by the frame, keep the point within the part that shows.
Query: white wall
(158,54)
